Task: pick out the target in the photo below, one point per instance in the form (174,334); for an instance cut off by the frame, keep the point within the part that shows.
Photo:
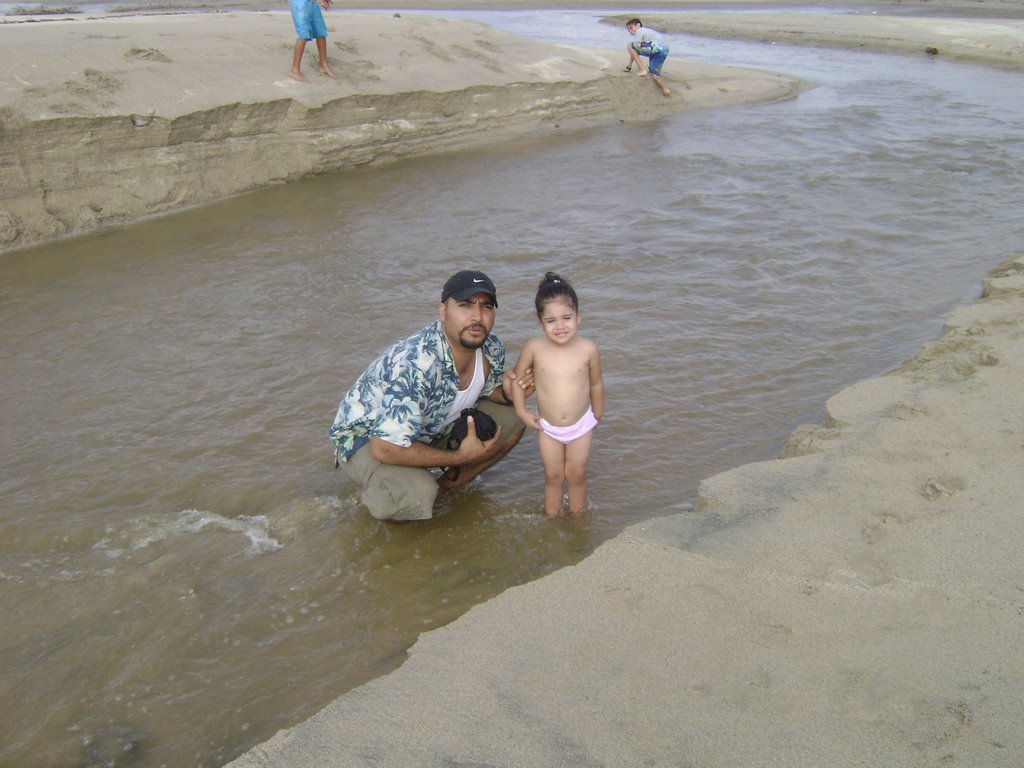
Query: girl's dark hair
(553,286)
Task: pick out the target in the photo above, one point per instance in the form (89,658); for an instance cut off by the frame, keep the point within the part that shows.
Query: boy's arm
(596,385)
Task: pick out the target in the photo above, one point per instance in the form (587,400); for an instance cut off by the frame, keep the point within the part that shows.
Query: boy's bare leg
(296,73)
(661,84)
(321,48)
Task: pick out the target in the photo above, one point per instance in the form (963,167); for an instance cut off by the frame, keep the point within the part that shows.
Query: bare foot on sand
(298,76)
(326,70)
(642,73)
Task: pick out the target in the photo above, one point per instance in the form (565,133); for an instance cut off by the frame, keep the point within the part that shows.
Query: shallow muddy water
(183,570)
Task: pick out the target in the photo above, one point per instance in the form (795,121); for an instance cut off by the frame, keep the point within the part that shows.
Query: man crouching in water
(393,425)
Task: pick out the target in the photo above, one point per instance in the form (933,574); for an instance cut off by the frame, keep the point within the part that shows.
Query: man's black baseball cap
(467,283)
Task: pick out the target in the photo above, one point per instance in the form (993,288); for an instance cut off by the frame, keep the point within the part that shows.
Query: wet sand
(857,601)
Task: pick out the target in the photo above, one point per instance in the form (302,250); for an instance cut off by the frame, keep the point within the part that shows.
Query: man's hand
(472,449)
(473,453)
(525,382)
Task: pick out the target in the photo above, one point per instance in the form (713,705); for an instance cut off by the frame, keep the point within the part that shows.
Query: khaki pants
(396,493)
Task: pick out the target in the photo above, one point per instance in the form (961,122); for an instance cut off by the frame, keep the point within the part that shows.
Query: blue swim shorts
(654,63)
(656,57)
(309,21)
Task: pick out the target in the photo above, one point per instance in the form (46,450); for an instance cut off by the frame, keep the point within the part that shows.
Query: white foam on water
(256,528)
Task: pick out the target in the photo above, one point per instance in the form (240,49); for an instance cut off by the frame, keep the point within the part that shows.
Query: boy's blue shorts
(655,60)
(309,21)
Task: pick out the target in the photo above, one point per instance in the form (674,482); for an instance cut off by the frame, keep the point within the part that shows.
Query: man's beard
(469,343)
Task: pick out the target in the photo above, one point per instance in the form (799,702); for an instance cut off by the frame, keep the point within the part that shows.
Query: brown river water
(183,572)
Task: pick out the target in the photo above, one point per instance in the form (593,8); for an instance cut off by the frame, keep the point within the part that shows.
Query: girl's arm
(518,395)
(596,385)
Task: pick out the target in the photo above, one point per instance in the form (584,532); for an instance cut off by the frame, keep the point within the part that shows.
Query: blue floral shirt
(406,393)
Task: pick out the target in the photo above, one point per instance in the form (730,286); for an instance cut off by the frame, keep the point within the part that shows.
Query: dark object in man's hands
(486,428)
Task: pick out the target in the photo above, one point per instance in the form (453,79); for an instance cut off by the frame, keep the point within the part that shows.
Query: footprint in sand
(146,54)
(433,48)
(358,70)
(939,487)
(483,58)
(350,46)
(487,45)
(95,82)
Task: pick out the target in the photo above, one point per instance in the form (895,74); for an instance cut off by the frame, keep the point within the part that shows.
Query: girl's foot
(628,69)
(642,73)
(326,70)
(298,76)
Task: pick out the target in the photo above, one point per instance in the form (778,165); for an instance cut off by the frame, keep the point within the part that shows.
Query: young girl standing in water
(570,394)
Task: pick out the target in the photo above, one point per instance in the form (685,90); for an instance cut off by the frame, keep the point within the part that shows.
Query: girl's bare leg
(552,455)
(577,453)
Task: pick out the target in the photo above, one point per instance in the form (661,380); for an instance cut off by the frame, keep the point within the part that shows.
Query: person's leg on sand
(296,72)
(325,65)
(309,25)
(654,69)
(661,84)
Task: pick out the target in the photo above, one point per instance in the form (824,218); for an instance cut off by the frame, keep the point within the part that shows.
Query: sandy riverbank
(996,42)
(143,115)
(867,608)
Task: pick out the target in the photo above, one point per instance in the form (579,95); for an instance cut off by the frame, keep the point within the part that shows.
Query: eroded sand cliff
(146,115)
